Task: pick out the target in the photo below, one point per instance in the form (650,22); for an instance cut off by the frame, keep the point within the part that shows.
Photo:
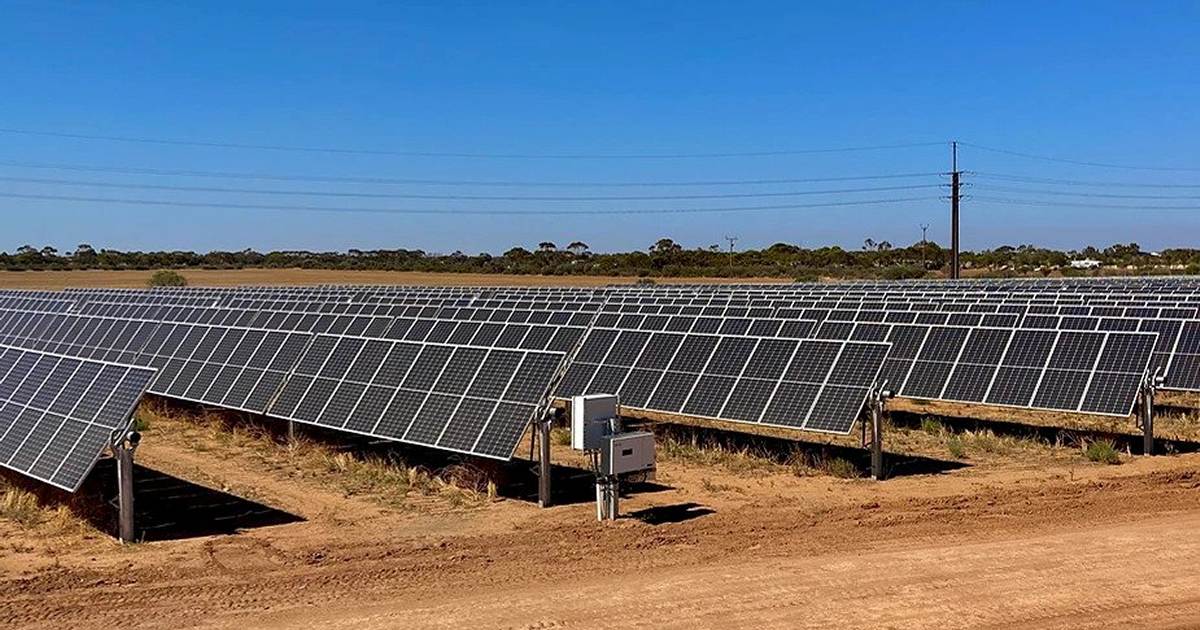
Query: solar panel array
(466,368)
(58,413)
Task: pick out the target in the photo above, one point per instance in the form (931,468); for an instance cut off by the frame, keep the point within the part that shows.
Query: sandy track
(1056,545)
(1141,574)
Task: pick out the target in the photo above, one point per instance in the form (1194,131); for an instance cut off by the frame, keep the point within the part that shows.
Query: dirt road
(1032,539)
(1141,574)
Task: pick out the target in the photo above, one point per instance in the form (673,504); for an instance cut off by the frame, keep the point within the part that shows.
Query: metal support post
(877,440)
(875,406)
(291,432)
(1150,385)
(123,451)
(608,498)
(543,433)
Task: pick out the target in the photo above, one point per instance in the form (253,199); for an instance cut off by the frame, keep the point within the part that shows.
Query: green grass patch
(1102,452)
(957,449)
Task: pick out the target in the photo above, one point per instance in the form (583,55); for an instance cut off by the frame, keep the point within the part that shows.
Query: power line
(1046,158)
(449,182)
(1054,203)
(454,154)
(238,206)
(1064,193)
(1077,182)
(366,195)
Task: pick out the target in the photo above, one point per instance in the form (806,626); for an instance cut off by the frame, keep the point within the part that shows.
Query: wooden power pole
(955,177)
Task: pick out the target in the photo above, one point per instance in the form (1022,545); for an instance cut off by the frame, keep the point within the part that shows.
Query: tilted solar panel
(795,383)
(1061,370)
(469,399)
(58,413)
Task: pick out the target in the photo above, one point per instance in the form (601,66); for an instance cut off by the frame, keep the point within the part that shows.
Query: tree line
(663,258)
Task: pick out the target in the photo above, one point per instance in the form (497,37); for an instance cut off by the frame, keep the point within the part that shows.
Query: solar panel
(801,384)
(1080,371)
(58,413)
(469,399)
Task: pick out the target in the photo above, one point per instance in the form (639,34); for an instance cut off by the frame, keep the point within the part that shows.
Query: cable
(1063,193)
(236,206)
(446,182)
(320,193)
(1045,158)
(1047,202)
(449,154)
(1076,182)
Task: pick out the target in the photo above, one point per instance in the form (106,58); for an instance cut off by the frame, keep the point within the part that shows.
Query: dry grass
(739,459)
(386,479)
(979,443)
(301,277)
(1181,425)
(31,512)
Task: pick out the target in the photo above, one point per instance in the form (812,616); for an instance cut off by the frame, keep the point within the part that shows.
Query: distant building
(1086,263)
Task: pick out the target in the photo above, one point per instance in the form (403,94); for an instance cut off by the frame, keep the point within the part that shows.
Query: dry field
(1012,532)
(299,277)
(978,529)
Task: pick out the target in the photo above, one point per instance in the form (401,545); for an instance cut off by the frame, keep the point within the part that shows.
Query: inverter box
(591,420)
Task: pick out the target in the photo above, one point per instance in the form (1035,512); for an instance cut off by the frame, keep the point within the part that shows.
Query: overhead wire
(457,154)
(498,212)
(451,182)
(1047,158)
(1056,203)
(1077,182)
(371,195)
(1071,193)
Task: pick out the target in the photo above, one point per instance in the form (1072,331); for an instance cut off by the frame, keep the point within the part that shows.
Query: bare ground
(300,277)
(1027,535)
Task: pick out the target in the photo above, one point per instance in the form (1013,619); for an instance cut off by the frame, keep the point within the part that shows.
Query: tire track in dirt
(366,567)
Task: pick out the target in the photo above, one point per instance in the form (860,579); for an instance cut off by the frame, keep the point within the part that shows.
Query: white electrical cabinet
(628,453)
(591,420)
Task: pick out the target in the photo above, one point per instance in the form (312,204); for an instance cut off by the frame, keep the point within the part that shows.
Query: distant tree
(547,246)
(26,250)
(868,244)
(665,246)
(167,278)
(714,248)
(84,252)
(578,248)
(517,253)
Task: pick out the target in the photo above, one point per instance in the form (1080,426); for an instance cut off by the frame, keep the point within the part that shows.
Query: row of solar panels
(1176,352)
(460,393)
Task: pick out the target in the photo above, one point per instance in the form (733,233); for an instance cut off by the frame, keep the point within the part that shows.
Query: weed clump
(956,447)
(166,278)
(1102,452)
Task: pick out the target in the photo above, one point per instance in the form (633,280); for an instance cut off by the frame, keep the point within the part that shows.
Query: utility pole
(955,177)
(732,240)
(924,246)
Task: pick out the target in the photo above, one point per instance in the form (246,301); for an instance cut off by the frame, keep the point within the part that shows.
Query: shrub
(903,272)
(1102,452)
(838,467)
(167,278)
(956,447)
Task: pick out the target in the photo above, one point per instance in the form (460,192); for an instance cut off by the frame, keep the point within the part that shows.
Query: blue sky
(1111,82)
